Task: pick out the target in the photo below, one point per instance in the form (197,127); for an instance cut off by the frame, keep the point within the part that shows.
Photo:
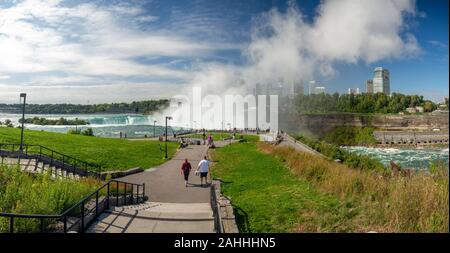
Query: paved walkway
(172,207)
(299,146)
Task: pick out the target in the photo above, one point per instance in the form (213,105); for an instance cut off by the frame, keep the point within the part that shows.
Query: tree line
(144,107)
(360,103)
(59,122)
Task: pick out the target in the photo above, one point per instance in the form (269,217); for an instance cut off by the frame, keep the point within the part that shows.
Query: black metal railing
(52,157)
(215,209)
(78,217)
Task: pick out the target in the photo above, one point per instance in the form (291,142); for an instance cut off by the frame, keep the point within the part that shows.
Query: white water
(106,125)
(406,157)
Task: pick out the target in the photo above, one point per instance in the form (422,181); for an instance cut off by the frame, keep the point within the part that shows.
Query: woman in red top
(185,170)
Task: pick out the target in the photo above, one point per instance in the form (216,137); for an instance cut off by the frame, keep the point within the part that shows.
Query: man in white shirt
(203,168)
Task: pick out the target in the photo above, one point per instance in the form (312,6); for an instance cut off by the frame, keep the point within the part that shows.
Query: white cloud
(438,44)
(87,42)
(89,93)
(41,36)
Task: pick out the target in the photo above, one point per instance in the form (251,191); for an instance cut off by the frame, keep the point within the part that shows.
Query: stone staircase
(156,217)
(33,165)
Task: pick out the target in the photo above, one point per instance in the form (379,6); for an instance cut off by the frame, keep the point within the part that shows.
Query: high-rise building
(299,89)
(311,87)
(353,91)
(319,90)
(381,81)
(369,86)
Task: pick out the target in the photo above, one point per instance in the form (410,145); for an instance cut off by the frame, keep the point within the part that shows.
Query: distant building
(299,89)
(381,81)
(369,86)
(419,109)
(311,87)
(353,91)
(411,109)
(319,90)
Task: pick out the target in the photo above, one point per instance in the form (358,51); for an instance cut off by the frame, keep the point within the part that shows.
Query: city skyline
(80,51)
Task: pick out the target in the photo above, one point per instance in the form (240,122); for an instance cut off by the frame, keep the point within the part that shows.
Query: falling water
(104,125)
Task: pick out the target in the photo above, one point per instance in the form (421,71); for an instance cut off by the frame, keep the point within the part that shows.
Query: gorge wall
(319,124)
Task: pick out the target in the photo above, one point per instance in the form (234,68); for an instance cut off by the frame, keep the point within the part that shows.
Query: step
(170,211)
(156,217)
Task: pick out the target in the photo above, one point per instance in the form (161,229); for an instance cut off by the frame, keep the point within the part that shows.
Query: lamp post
(167,118)
(195,128)
(221,132)
(24,96)
(154,127)
(229,125)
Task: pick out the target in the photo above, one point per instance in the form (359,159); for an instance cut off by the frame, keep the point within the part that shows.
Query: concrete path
(297,145)
(165,183)
(172,207)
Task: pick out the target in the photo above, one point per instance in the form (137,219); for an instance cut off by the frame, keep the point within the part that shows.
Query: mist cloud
(286,48)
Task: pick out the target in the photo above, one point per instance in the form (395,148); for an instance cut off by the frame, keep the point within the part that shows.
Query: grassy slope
(112,154)
(268,198)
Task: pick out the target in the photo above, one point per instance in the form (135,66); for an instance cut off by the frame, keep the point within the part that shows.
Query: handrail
(81,204)
(65,158)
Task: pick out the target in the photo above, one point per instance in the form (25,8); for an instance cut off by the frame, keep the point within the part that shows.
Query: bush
(351,136)
(334,152)
(87,132)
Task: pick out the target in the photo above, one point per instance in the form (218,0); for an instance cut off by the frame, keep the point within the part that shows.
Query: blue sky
(109,51)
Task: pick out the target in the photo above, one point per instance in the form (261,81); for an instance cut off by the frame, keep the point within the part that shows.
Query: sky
(74,51)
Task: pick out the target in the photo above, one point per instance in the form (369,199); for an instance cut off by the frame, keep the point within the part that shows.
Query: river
(418,158)
(103,125)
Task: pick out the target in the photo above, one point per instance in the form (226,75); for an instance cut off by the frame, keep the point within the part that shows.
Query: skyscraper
(381,81)
(318,90)
(369,86)
(311,87)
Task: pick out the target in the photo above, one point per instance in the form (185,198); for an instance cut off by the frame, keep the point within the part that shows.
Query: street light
(221,132)
(24,96)
(195,128)
(154,126)
(167,118)
(229,125)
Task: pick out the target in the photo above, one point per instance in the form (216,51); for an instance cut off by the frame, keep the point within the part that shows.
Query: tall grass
(23,193)
(384,203)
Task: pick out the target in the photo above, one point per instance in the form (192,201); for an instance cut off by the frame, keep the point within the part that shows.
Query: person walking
(204,137)
(185,170)
(203,168)
(209,140)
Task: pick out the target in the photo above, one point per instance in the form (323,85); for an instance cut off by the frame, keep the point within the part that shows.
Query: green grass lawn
(267,197)
(111,154)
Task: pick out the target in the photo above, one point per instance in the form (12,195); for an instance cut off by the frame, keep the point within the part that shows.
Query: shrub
(351,136)
(334,152)
(87,132)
